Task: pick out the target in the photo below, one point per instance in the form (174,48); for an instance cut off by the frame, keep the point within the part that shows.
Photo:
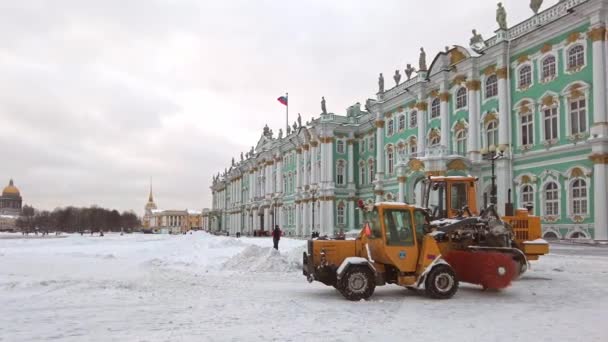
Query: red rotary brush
(492,270)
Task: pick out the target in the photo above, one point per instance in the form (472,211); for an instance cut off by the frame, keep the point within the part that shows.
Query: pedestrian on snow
(276,236)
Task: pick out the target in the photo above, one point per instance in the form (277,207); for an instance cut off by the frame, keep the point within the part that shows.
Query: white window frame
(390,159)
(572,200)
(401,123)
(544,78)
(493,86)
(371,169)
(585,116)
(461,103)
(413,121)
(523,194)
(556,201)
(519,76)
(341,176)
(340,146)
(544,123)
(529,126)
(371,144)
(460,137)
(341,213)
(494,133)
(435,108)
(390,127)
(568,68)
(362,173)
(362,145)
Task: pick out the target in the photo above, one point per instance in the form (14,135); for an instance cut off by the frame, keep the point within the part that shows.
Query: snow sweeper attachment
(400,245)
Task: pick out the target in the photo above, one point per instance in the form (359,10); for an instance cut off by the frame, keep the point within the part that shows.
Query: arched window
(401,125)
(371,171)
(578,116)
(549,68)
(390,160)
(341,217)
(525,76)
(390,129)
(550,122)
(551,199)
(461,98)
(362,173)
(527,195)
(527,129)
(576,57)
(578,196)
(371,143)
(492,134)
(491,86)
(362,145)
(413,119)
(413,145)
(340,172)
(435,108)
(461,142)
(340,146)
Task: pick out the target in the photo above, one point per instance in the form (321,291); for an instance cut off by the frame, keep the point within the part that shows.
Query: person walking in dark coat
(276,236)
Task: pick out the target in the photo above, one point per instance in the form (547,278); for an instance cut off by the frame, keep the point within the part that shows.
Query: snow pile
(261,259)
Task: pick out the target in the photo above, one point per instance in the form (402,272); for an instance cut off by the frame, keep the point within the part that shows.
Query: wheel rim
(357,282)
(444,282)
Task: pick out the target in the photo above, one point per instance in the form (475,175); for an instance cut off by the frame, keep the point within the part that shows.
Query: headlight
(502,271)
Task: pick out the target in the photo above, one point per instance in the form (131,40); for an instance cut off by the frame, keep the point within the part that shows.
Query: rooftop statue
(397,77)
(477,43)
(251,151)
(323,108)
(535,5)
(501,17)
(447,49)
(232,161)
(422,60)
(288,130)
(266,130)
(299,120)
(280,133)
(295,126)
(381,83)
(408,71)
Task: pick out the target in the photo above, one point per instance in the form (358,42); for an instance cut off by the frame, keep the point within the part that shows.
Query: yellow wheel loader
(399,245)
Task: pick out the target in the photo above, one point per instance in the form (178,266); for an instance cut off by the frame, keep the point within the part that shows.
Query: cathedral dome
(11,190)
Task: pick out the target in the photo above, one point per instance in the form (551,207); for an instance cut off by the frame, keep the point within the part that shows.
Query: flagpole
(287,112)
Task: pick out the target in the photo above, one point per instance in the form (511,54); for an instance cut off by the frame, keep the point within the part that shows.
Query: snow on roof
(536,242)
(444,221)
(10,216)
(194,212)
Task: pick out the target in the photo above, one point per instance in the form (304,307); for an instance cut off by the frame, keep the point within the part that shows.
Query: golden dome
(10,190)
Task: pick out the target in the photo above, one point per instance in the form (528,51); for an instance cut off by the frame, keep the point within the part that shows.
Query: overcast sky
(96,97)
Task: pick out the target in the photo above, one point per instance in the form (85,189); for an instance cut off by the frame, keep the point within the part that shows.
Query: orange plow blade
(492,270)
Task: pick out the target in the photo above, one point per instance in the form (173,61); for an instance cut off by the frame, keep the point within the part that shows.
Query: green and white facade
(536,91)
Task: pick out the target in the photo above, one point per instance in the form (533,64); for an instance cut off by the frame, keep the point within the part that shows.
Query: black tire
(357,283)
(522,267)
(441,282)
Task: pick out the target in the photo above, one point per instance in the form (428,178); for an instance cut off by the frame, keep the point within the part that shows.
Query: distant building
(10,207)
(170,221)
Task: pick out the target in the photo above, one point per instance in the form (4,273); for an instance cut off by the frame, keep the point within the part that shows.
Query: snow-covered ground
(201,287)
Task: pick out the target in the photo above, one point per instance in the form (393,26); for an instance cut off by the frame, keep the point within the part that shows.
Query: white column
(474,125)
(305,154)
(331,223)
(600,114)
(313,162)
(298,219)
(379,147)
(267,222)
(444,114)
(401,180)
(330,160)
(351,214)
(298,167)
(351,162)
(600,208)
(504,107)
(422,123)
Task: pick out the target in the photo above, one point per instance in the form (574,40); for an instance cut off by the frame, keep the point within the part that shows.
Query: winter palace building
(535,91)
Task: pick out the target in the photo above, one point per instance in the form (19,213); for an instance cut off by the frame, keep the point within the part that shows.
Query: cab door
(400,238)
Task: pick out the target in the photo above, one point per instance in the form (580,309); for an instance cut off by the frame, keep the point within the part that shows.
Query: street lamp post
(312,193)
(492,155)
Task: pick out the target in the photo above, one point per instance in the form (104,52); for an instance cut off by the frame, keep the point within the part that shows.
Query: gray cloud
(98,96)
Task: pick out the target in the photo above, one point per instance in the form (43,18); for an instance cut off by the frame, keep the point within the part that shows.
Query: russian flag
(283,100)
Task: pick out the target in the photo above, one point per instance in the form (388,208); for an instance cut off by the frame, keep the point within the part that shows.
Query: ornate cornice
(489,70)
(314,143)
(378,192)
(597,34)
(402,179)
(299,150)
(326,140)
(523,59)
(573,37)
(459,79)
(270,162)
(350,141)
(306,147)
(546,48)
(379,124)
(445,96)
(474,85)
